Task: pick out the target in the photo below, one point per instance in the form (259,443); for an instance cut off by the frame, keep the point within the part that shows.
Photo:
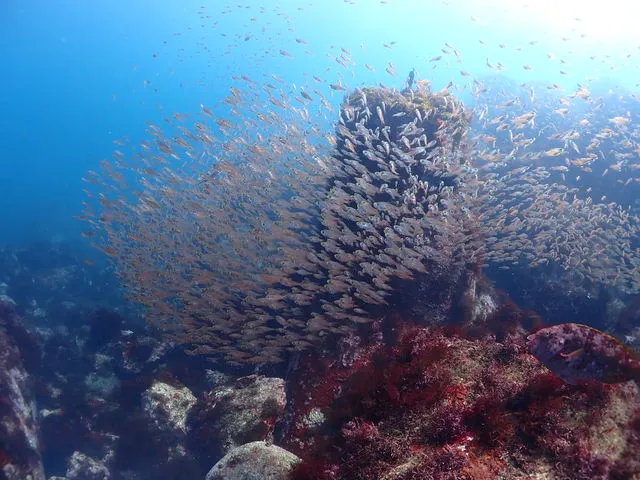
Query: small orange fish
(577,352)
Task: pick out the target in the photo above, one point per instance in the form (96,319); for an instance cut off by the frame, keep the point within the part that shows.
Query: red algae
(4,459)
(440,406)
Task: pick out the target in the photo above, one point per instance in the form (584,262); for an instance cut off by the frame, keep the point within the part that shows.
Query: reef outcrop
(288,242)
(256,461)
(439,404)
(19,443)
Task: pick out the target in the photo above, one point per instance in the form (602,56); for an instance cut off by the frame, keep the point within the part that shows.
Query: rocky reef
(105,400)
(443,404)
(20,456)
(125,407)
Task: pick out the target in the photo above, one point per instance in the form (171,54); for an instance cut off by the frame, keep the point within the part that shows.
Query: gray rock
(216,379)
(168,406)
(102,384)
(7,300)
(247,409)
(484,306)
(18,423)
(313,420)
(254,461)
(83,467)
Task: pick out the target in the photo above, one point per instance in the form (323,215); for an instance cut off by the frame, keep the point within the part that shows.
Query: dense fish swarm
(398,215)
(555,185)
(550,226)
(259,234)
(287,238)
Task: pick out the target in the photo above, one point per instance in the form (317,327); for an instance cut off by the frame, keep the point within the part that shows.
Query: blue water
(78,75)
(73,82)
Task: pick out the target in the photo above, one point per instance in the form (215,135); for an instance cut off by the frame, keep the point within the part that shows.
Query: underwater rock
(140,352)
(314,419)
(50,280)
(105,326)
(7,300)
(103,385)
(481,302)
(19,445)
(633,338)
(237,413)
(440,405)
(216,378)
(254,461)
(167,406)
(83,467)
(577,352)
(91,396)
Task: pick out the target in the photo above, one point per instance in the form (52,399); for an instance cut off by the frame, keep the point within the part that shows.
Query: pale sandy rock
(254,461)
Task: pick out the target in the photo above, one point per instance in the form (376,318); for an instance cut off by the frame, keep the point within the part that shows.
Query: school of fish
(276,217)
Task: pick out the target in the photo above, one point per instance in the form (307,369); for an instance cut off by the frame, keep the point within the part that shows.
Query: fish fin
(569,356)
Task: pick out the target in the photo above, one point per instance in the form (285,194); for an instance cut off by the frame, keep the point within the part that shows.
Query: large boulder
(167,407)
(236,413)
(254,461)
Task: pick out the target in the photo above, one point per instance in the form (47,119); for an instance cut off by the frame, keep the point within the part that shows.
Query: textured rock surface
(168,406)
(254,461)
(83,467)
(441,405)
(19,448)
(237,413)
